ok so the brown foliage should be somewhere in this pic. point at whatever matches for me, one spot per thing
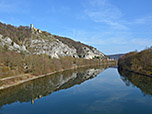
(13, 63)
(17, 34)
(137, 61)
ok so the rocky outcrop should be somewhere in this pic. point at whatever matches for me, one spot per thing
(49, 46)
(24, 40)
(9, 44)
(53, 48)
(83, 51)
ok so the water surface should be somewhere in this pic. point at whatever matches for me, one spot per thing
(84, 91)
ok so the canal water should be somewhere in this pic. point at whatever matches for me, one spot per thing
(98, 90)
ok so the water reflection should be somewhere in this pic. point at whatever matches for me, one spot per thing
(142, 82)
(36, 89)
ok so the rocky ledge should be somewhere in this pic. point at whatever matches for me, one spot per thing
(23, 39)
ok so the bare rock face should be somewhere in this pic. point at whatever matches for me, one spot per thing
(88, 53)
(8, 43)
(51, 46)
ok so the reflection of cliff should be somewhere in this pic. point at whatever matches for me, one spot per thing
(144, 83)
(81, 77)
(45, 86)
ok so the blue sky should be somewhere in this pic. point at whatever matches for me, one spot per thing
(112, 26)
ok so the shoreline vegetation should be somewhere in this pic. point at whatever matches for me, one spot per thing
(23, 78)
(17, 68)
(140, 81)
(137, 62)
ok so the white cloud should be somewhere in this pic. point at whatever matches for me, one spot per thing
(107, 38)
(96, 37)
(101, 11)
(144, 20)
(104, 10)
(122, 41)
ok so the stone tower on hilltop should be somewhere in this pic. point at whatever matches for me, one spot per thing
(35, 29)
(31, 26)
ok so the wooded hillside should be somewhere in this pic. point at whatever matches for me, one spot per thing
(140, 62)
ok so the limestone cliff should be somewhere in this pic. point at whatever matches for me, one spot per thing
(44, 43)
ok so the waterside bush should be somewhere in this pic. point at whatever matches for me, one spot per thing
(140, 62)
(12, 63)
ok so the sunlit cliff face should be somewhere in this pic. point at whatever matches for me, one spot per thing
(40, 44)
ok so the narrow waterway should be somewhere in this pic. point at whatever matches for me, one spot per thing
(97, 90)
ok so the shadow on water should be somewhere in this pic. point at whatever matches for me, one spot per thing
(144, 83)
(38, 88)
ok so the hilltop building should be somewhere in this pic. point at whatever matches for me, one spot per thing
(35, 29)
(31, 26)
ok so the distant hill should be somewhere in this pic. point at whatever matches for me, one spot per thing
(139, 62)
(116, 56)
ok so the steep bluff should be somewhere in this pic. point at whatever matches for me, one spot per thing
(23, 40)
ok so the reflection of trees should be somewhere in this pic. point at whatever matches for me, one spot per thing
(38, 88)
(1, 109)
(144, 83)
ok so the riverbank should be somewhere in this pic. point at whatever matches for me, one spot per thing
(16, 80)
(137, 73)
(137, 62)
